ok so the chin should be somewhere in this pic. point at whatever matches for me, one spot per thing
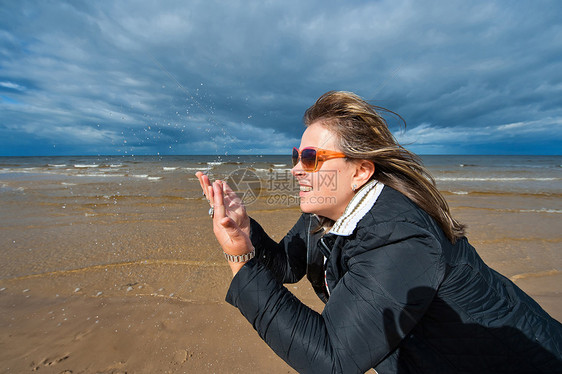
(305, 208)
(308, 208)
(312, 209)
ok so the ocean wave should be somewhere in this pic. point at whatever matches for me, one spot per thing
(169, 168)
(7, 187)
(542, 210)
(85, 166)
(99, 175)
(20, 170)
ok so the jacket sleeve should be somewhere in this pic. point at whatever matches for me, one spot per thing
(381, 297)
(286, 259)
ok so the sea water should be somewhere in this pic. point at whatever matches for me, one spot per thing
(463, 174)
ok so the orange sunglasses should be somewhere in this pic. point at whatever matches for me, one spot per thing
(311, 158)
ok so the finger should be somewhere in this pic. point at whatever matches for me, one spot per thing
(231, 227)
(232, 197)
(218, 201)
(210, 195)
(228, 191)
(204, 183)
(228, 225)
(199, 176)
(205, 186)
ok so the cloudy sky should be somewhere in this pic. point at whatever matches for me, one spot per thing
(209, 77)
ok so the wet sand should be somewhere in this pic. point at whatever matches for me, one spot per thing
(115, 284)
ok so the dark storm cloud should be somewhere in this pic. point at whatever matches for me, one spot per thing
(192, 77)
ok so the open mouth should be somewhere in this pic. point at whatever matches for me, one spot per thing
(305, 188)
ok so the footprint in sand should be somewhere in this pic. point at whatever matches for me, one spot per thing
(50, 362)
(181, 356)
(82, 334)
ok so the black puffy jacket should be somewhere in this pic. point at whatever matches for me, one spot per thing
(402, 299)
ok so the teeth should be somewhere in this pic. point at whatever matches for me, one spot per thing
(306, 188)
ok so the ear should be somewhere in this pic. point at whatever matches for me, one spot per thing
(364, 170)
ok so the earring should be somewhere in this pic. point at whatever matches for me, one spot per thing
(354, 187)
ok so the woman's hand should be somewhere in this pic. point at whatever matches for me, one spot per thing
(234, 206)
(231, 224)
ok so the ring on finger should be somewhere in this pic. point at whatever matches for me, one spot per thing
(212, 211)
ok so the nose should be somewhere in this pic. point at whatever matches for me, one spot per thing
(297, 171)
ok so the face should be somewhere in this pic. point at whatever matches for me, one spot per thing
(327, 191)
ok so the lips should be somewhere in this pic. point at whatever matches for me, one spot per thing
(305, 188)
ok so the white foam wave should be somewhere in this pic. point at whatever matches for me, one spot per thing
(154, 178)
(24, 170)
(84, 166)
(99, 175)
(8, 187)
(543, 210)
(169, 168)
(56, 165)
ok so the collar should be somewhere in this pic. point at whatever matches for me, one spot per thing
(359, 205)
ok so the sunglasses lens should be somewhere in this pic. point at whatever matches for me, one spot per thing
(295, 157)
(308, 159)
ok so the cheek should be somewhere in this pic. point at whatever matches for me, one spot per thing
(344, 182)
(336, 185)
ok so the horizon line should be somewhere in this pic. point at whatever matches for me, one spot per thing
(270, 154)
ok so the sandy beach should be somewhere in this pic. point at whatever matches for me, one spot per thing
(93, 282)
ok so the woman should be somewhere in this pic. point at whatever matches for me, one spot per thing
(404, 290)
